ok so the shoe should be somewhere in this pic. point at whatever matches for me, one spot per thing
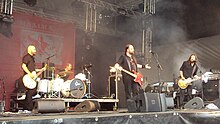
(36, 96)
(22, 97)
(27, 112)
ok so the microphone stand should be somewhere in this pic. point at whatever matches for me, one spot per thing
(159, 67)
(48, 65)
(49, 93)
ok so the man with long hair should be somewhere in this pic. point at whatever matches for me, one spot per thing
(188, 70)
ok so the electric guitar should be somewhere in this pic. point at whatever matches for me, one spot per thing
(137, 76)
(31, 82)
(184, 83)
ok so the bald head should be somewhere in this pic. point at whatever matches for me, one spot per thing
(32, 50)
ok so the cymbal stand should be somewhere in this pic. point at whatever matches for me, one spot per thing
(159, 67)
(49, 92)
(88, 81)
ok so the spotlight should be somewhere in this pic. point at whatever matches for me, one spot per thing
(31, 2)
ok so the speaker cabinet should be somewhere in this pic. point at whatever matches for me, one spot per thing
(87, 106)
(211, 90)
(49, 73)
(147, 102)
(121, 91)
(49, 105)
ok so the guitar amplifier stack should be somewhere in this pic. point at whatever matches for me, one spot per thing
(48, 74)
(211, 90)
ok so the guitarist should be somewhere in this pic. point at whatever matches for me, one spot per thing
(28, 66)
(129, 62)
(188, 70)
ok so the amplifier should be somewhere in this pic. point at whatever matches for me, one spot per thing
(211, 90)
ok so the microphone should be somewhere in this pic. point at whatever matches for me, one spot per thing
(51, 56)
(87, 66)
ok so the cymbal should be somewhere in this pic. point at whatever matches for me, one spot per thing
(51, 68)
(65, 73)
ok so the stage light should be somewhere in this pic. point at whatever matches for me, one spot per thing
(31, 2)
(122, 11)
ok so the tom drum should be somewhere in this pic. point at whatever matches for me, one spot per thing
(43, 86)
(57, 84)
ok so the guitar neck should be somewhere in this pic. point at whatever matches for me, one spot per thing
(39, 73)
(128, 72)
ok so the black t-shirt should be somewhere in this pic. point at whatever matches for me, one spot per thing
(188, 69)
(29, 61)
(127, 63)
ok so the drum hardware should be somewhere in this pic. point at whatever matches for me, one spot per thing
(64, 73)
(74, 88)
(88, 81)
(50, 68)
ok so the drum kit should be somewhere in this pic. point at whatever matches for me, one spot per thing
(58, 88)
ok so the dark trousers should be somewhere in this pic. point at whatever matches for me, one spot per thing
(29, 103)
(131, 88)
(185, 95)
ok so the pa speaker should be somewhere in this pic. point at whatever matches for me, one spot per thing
(87, 106)
(49, 105)
(146, 102)
(195, 103)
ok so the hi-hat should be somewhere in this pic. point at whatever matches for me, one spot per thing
(51, 68)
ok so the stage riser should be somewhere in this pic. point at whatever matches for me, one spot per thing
(117, 118)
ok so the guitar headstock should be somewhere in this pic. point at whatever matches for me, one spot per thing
(118, 67)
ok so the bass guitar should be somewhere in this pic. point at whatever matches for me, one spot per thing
(31, 82)
(137, 76)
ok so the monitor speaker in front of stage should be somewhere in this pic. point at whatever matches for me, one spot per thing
(49, 105)
(195, 103)
(87, 106)
(147, 102)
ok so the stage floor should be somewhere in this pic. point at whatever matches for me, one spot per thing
(121, 116)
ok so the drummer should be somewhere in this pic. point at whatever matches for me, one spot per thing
(66, 72)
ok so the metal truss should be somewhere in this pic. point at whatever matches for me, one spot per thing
(114, 8)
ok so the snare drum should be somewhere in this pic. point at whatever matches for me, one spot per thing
(75, 88)
(57, 84)
(43, 86)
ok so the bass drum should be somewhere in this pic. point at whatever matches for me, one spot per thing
(75, 88)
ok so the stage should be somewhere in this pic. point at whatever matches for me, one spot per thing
(184, 116)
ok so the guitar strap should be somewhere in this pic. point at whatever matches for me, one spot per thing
(129, 64)
(194, 69)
